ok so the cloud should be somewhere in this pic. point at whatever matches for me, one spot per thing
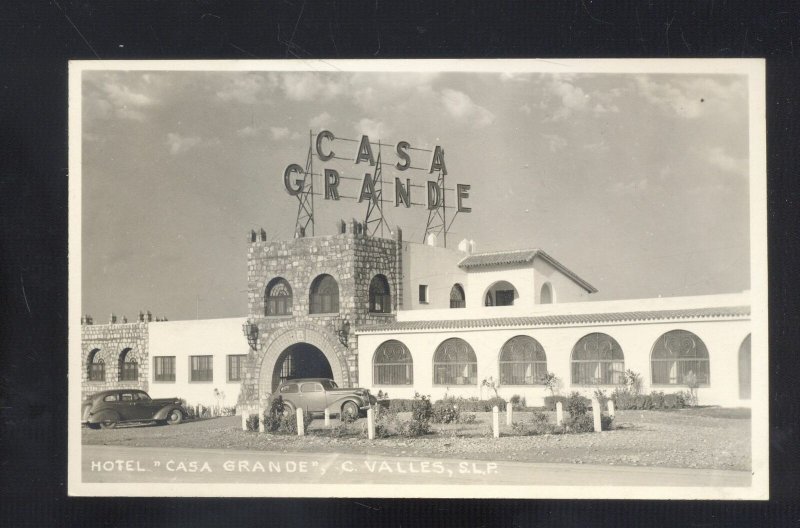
(246, 89)
(109, 97)
(279, 133)
(598, 147)
(459, 105)
(691, 97)
(373, 128)
(526, 109)
(249, 131)
(179, 144)
(722, 160)
(320, 121)
(555, 142)
(310, 86)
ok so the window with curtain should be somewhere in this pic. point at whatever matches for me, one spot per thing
(128, 367)
(522, 362)
(677, 353)
(455, 363)
(380, 298)
(324, 295)
(279, 297)
(457, 297)
(392, 364)
(597, 359)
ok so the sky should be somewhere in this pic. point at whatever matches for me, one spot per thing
(636, 182)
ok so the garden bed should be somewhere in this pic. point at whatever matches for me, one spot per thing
(710, 438)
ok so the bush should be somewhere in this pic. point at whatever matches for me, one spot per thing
(518, 402)
(340, 431)
(252, 422)
(467, 419)
(400, 405)
(579, 424)
(421, 409)
(657, 399)
(601, 397)
(550, 402)
(496, 401)
(413, 428)
(577, 405)
(606, 422)
(445, 411)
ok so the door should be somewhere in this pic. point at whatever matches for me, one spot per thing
(313, 396)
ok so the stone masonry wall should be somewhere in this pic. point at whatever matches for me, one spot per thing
(352, 258)
(110, 340)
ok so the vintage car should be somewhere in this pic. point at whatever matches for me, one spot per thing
(108, 408)
(314, 395)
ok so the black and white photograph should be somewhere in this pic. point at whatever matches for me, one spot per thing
(418, 278)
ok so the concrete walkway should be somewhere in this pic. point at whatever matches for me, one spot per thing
(148, 464)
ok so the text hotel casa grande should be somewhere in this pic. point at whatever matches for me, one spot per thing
(389, 314)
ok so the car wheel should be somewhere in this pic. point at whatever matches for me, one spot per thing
(288, 409)
(108, 423)
(350, 411)
(175, 417)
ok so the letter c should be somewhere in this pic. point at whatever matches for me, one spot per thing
(325, 134)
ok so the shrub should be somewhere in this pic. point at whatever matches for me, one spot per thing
(466, 419)
(421, 409)
(499, 402)
(579, 424)
(671, 401)
(601, 397)
(577, 405)
(340, 431)
(400, 405)
(445, 411)
(413, 428)
(657, 399)
(227, 411)
(552, 383)
(550, 402)
(252, 422)
(518, 402)
(632, 381)
(606, 422)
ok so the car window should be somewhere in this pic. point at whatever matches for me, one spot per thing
(329, 384)
(310, 387)
(127, 396)
(289, 388)
(110, 398)
(142, 396)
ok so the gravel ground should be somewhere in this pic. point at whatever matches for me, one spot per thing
(689, 438)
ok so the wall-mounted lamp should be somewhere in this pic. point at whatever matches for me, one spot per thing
(344, 333)
(250, 331)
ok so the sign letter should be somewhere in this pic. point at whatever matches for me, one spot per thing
(462, 191)
(367, 189)
(402, 147)
(434, 195)
(437, 162)
(325, 134)
(365, 151)
(402, 194)
(287, 176)
(331, 184)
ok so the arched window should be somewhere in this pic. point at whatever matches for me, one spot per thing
(380, 297)
(522, 362)
(279, 297)
(501, 293)
(392, 364)
(128, 367)
(324, 295)
(744, 369)
(676, 354)
(546, 296)
(454, 363)
(597, 359)
(96, 368)
(457, 298)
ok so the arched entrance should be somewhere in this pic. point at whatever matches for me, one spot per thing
(301, 360)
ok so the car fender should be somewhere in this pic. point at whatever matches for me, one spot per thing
(337, 404)
(105, 414)
(164, 412)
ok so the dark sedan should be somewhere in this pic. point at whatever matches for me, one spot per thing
(108, 408)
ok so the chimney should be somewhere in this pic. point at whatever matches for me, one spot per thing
(300, 233)
(252, 235)
(263, 235)
(112, 319)
(149, 317)
(342, 227)
(430, 239)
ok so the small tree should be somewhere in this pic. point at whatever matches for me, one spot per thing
(632, 381)
(690, 379)
(492, 384)
(552, 383)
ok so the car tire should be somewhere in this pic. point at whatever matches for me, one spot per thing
(289, 409)
(175, 417)
(108, 424)
(349, 410)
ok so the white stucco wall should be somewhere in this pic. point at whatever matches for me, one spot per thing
(437, 268)
(721, 337)
(182, 339)
(565, 290)
(480, 279)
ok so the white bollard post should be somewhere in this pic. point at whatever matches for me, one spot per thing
(300, 429)
(327, 418)
(610, 408)
(559, 413)
(596, 414)
(262, 427)
(245, 414)
(495, 422)
(509, 413)
(370, 424)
